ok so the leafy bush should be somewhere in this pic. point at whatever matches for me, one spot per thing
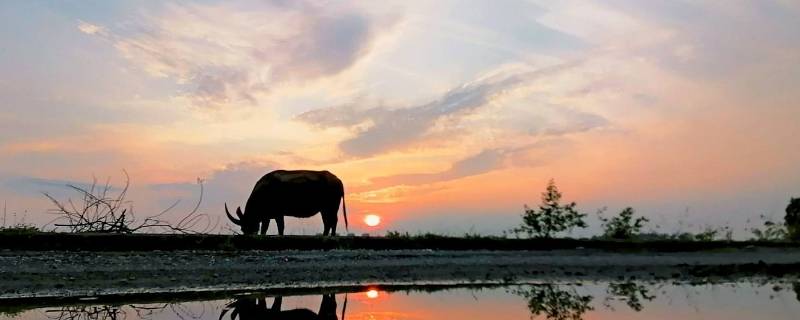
(773, 231)
(17, 226)
(792, 219)
(556, 303)
(630, 292)
(12, 311)
(709, 233)
(419, 236)
(391, 234)
(19, 229)
(551, 217)
(473, 235)
(660, 236)
(623, 226)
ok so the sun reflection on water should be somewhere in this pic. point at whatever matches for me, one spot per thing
(553, 301)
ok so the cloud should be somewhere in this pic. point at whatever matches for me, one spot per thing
(485, 161)
(698, 39)
(396, 128)
(390, 195)
(89, 28)
(230, 53)
(482, 162)
(574, 121)
(231, 184)
(28, 185)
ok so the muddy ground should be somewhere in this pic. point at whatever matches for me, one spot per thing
(63, 273)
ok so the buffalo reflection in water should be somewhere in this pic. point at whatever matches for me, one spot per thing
(247, 308)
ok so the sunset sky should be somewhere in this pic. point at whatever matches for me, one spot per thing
(443, 116)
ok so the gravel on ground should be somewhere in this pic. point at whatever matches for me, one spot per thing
(61, 273)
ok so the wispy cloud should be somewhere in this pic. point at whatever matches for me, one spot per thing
(392, 129)
(483, 162)
(231, 184)
(228, 54)
(33, 185)
(89, 28)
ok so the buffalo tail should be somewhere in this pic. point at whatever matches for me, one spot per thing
(344, 211)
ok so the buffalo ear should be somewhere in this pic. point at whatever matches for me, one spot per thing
(228, 213)
(239, 212)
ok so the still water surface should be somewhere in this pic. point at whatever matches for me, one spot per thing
(595, 300)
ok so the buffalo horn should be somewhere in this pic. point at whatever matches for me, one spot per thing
(234, 220)
(224, 311)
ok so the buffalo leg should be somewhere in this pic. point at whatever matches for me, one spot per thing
(326, 223)
(327, 308)
(333, 225)
(264, 226)
(329, 219)
(333, 215)
(261, 305)
(276, 304)
(325, 226)
(279, 222)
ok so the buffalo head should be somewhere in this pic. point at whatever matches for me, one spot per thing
(249, 226)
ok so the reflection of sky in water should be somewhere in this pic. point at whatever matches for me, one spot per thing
(598, 300)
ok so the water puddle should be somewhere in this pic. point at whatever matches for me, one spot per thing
(593, 300)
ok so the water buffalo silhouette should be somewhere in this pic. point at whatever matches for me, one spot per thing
(256, 308)
(295, 193)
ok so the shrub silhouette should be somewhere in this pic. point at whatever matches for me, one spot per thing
(792, 219)
(796, 289)
(629, 292)
(551, 216)
(773, 231)
(556, 303)
(623, 226)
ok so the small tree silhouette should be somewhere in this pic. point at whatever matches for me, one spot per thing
(551, 217)
(773, 231)
(556, 303)
(792, 219)
(629, 292)
(796, 289)
(623, 226)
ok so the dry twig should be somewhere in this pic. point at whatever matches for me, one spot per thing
(100, 211)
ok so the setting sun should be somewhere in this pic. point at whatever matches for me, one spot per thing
(372, 220)
(372, 294)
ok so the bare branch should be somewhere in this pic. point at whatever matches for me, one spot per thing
(103, 212)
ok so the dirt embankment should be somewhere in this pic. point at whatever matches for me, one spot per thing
(69, 273)
(51, 241)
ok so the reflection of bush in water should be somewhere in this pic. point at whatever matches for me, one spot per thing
(113, 312)
(86, 312)
(556, 303)
(630, 292)
(11, 311)
(796, 288)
